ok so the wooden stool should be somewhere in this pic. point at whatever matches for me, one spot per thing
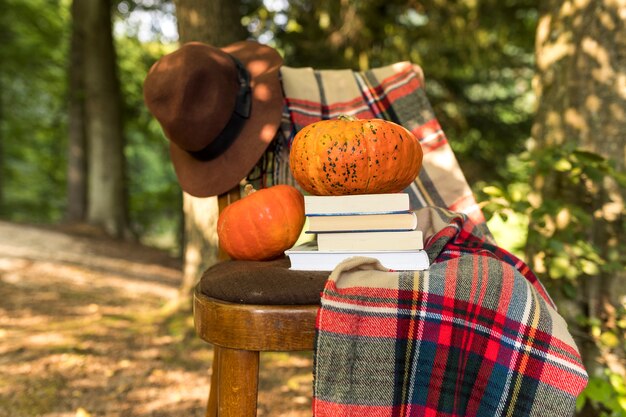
(238, 333)
(244, 308)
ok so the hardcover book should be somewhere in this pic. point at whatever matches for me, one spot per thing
(307, 257)
(355, 241)
(317, 205)
(362, 222)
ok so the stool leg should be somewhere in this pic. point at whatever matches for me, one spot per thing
(211, 409)
(238, 383)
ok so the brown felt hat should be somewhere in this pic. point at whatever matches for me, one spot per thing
(219, 107)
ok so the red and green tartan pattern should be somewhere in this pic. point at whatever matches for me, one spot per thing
(475, 335)
(395, 93)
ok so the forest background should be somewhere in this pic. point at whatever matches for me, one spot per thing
(531, 94)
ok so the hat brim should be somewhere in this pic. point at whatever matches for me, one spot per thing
(219, 175)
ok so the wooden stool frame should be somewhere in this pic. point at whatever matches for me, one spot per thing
(238, 333)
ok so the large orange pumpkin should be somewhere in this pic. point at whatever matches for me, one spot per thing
(263, 224)
(354, 156)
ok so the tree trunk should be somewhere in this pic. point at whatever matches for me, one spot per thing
(581, 94)
(107, 202)
(217, 23)
(5, 40)
(76, 159)
(2, 203)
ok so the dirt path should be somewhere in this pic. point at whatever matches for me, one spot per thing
(83, 333)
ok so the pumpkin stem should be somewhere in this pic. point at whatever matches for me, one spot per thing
(347, 118)
(248, 189)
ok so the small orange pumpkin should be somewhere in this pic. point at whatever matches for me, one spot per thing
(354, 156)
(263, 224)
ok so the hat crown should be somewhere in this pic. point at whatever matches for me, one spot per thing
(219, 108)
(192, 93)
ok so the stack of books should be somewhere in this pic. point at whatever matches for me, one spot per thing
(380, 226)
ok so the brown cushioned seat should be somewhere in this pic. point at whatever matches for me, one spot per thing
(271, 282)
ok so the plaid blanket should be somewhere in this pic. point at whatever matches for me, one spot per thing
(475, 335)
(394, 93)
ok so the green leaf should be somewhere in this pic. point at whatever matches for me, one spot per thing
(559, 266)
(563, 165)
(589, 268)
(617, 381)
(588, 157)
(609, 339)
(622, 403)
(493, 191)
(595, 174)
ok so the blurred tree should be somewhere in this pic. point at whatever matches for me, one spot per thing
(2, 203)
(143, 33)
(155, 201)
(4, 39)
(76, 210)
(36, 92)
(107, 199)
(576, 235)
(217, 23)
(32, 125)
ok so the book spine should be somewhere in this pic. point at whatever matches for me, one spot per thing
(357, 231)
(356, 204)
(405, 221)
(356, 213)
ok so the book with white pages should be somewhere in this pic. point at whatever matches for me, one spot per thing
(321, 205)
(359, 241)
(307, 257)
(362, 222)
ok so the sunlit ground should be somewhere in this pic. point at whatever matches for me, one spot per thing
(83, 333)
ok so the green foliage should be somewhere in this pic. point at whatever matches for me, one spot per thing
(477, 57)
(561, 223)
(154, 195)
(33, 123)
(32, 108)
(561, 226)
(607, 394)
